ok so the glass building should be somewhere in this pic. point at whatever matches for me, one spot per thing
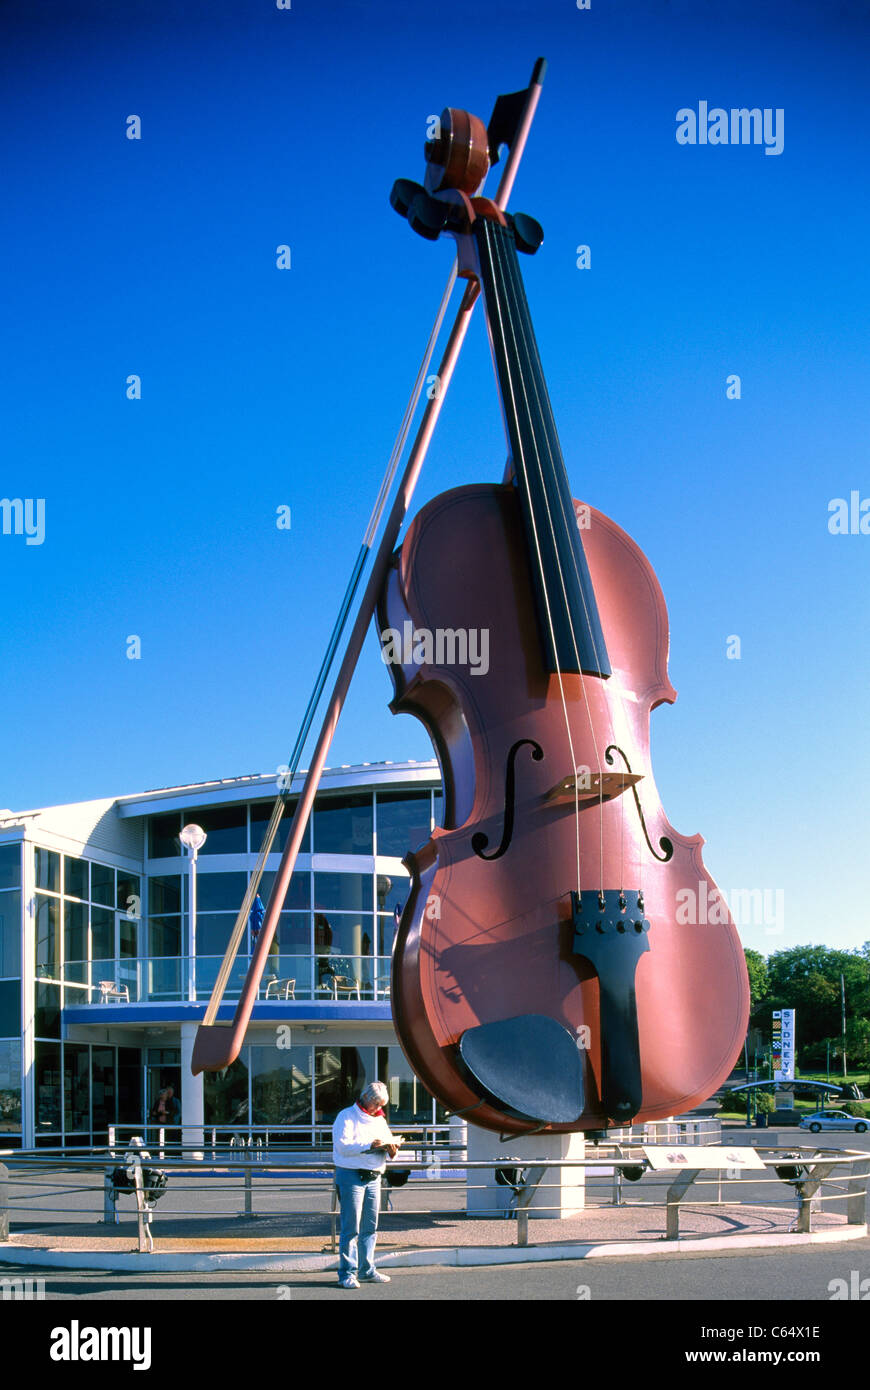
(104, 977)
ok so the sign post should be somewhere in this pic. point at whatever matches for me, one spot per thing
(783, 1044)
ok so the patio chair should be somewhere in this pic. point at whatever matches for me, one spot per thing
(281, 989)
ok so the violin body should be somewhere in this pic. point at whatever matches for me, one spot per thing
(484, 939)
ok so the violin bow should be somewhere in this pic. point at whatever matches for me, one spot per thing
(218, 1044)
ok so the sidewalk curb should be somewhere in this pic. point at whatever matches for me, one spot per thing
(178, 1261)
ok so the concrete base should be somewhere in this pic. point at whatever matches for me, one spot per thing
(561, 1192)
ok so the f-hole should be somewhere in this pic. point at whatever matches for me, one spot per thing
(479, 841)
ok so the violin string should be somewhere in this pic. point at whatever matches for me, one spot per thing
(541, 389)
(506, 328)
(535, 376)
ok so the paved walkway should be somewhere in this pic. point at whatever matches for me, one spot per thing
(301, 1242)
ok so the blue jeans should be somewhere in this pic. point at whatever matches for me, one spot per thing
(360, 1209)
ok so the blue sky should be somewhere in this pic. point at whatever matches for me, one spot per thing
(263, 387)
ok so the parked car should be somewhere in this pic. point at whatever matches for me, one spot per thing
(833, 1119)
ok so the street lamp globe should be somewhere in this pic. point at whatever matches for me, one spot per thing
(193, 837)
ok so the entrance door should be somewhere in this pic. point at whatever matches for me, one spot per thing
(162, 1069)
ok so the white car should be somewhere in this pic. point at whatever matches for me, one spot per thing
(833, 1119)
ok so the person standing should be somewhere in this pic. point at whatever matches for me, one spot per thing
(361, 1143)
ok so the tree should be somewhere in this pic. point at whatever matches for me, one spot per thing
(807, 978)
(759, 978)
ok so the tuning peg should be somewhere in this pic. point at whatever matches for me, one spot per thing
(428, 216)
(528, 234)
(403, 194)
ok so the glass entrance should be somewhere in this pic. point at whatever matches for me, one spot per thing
(163, 1092)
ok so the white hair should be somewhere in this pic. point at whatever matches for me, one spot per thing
(375, 1091)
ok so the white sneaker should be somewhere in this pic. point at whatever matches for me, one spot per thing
(375, 1278)
(349, 1281)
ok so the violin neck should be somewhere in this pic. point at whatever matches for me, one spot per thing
(567, 611)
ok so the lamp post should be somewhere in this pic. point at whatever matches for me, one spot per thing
(193, 837)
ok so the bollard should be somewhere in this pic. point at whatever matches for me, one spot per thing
(4, 1200)
(110, 1211)
(249, 1190)
(522, 1226)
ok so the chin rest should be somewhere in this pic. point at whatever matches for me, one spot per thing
(529, 1065)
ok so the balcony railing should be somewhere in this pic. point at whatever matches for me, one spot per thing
(164, 979)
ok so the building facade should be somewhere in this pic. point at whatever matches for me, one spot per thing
(105, 973)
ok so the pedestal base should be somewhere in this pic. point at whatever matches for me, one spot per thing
(561, 1192)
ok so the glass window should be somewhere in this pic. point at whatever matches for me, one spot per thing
(213, 931)
(393, 890)
(340, 1075)
(47, 1012)
(103, 885)
(294, 933)
(225, 1094)
(163, 832)
(225, 826)
(76, 1086)
(410, 1102)
(438, 807)
(298, 894)
(128, 936)
(75, 877)
(281, 1085)
(10, 1086)
(102, 934)
(48, 870)
(47, 937)
(220, 892)
(344, 824)
(344, 936)
(261, 814)
(343, 892)
(10, 1008)
(103, 1090)
(387, 928)
(129, 1086)
(10, 934)
(48, 1087)
(75, 934)
(164, 936)
(129, 894)
(10, 865)
(403, 822)
(164, 895)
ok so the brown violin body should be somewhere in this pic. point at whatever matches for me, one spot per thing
(550, 970)
(483, 940)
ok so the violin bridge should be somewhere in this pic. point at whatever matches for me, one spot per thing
(592, 786)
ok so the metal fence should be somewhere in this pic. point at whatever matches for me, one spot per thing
(30, 1181)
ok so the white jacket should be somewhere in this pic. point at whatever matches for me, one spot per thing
(353, 1133)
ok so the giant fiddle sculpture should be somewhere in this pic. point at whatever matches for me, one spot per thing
(541, 978)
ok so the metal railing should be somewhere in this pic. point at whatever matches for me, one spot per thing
(233, 1140)
(167, 979)
(805, 1178)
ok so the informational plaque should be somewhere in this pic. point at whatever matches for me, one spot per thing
(662, 1157)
